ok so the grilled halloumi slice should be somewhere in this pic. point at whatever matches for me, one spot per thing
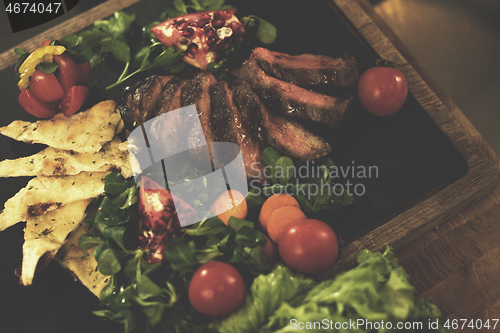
(84, 132)
(44, 194)
(45, 234)
(58, 162)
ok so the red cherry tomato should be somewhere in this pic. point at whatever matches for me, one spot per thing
(46, 42)
(46, 87)
(308, 246)
(216, 289)
(83, 73)
(34, 106)
(382, 90)
(67, 71)
(74, 99)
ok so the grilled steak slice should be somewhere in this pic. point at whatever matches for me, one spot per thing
(228, 126)
(281, 132)
(197, 91)
(164, 133)
(293, 100)
(307, 69)
(140, 102)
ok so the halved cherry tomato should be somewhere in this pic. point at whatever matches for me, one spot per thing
(74, 99)
(36, 107)
(67, 71)
(46, 87)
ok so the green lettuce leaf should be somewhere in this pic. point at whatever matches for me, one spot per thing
(267, 293)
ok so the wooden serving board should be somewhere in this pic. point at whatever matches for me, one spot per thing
(429, 166)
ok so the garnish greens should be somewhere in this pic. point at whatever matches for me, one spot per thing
(142, 296)
(285, 180)
(153, 297)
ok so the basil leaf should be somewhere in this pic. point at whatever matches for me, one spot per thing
(47, 67)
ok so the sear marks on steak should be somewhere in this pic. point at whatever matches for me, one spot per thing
(281, 132)
(197, 91)
(164, 132)
(293, 100)
(307, 69)
(228, 126)
(140, 102)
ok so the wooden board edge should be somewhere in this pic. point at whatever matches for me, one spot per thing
(68, 27)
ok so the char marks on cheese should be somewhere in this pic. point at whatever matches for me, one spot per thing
(84, 132)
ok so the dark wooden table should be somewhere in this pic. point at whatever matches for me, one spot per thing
(457, 262)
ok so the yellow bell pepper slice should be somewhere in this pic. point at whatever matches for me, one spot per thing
(41, 54)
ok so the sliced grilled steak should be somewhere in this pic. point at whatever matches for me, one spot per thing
(293, 100)
(281, 132)
(164, 134)
(307, 69)
(228, 126)
(140, 102)
(197, 91)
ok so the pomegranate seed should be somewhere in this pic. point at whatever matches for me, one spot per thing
(191, 50)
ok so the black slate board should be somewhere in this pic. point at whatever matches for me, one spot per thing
(413, 157)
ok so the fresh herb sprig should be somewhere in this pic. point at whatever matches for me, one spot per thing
(111, 37)
(284, 179)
